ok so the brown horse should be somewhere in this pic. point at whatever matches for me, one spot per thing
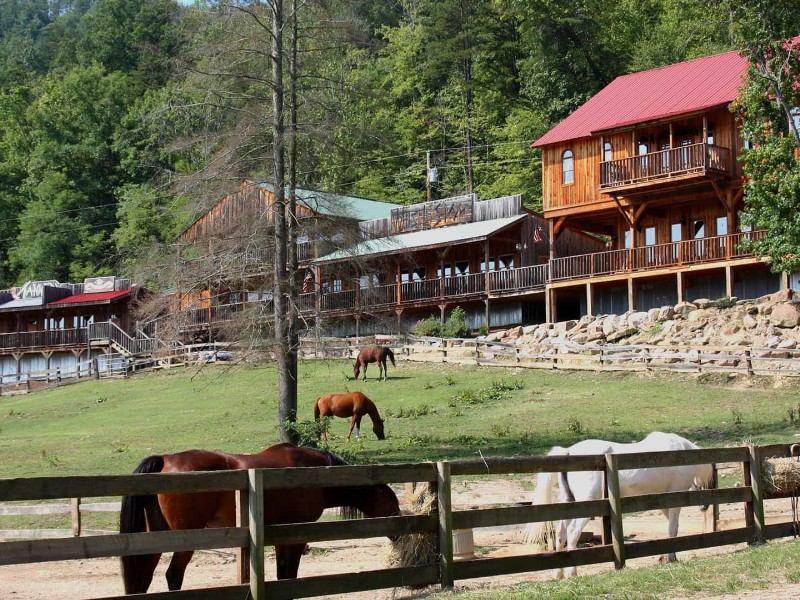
(371, 354)
(218, 509)
(352, 404)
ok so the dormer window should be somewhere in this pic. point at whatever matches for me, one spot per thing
(567, 168)
(608, 151)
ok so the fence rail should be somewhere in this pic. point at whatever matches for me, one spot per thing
(442, 520)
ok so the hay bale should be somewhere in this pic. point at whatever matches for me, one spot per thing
(416, 549)
(781, 476)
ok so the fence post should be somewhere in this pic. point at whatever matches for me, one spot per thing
(443, 501)
(242, 554)
(757, 486)
(748, 361)
(255, 496)
(615, 510)
(75, 512)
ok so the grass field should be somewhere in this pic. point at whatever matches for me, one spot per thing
(432, 412)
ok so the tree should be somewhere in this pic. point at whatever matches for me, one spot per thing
(766, 34)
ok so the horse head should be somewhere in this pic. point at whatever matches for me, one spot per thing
(356, 370)
(705, 479)
(377, 427)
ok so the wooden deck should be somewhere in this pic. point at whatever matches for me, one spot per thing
(683, 162)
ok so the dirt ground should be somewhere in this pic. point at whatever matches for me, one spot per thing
(95, 578)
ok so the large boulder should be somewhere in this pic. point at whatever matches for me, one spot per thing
(785, 315)
(636, 319)
(684, 308)
(621, 334)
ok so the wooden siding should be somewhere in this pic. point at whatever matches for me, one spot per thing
(585, 190)
(248, 201)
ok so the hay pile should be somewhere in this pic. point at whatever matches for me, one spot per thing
(781, 476)
(416, 549)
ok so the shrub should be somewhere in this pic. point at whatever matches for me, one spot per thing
(428, 327)
(456, 325)
(483, 330)
(307, 433)
(726, 302)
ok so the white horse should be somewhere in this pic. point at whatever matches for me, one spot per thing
(588, 485)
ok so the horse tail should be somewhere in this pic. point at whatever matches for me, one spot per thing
(706, 478)
(316, 410)
(540, 534)
(390, 354)
(137, 571)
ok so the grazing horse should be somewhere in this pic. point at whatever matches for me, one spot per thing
(174, 511)
(371, 354)
(352, 404)
(588, 485)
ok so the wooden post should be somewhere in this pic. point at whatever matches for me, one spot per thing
(255, 478)
(605, 534)
(615, 510)
(748, 362)
(75, 512)
(242, 554)
(444, 506)
(758, 494)
(748, 506)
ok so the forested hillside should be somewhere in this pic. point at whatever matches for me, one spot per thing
(122, 118)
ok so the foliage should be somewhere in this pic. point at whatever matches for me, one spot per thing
(429, 327)
(765, 33)
(726, 302)
(456, 325)
(308, 433)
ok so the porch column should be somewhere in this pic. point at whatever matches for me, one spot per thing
(589, 302)
(487, 282)
(784, 280)
(358, 326)
(631, 298)
(728, 281)
(679, 275)
(397, 279)
(551, 227)
(549, 305)
(442, 308)
(488, 313)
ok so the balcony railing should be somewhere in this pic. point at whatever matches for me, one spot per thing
(673, 254)
(664, 164)
(53, 338)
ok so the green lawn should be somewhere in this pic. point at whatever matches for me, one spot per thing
(432, 412)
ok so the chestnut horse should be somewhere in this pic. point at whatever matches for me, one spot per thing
(164, 512)
(371, 354)
(352, 404)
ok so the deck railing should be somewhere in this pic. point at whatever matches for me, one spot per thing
(693, 158)
(673, 254)
(53, 338)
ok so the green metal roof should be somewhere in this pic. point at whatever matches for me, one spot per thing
(418, 240)
(335, 205)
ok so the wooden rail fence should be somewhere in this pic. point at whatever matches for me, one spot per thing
(251, 535)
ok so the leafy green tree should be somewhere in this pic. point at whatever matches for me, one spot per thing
(766, 33)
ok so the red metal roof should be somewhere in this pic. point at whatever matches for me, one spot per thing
(660, 93)
(95, 298)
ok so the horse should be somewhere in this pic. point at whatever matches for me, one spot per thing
(352, 404)
(371, 354)
(175, 511)
(588, 485)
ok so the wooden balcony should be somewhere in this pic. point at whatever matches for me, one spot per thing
(671, 255)
(35, 340)
(676, 164)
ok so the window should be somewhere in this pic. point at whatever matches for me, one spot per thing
(53, 323)
(367, 281)
(675, 236)
(642, 149)
(448, 271)
(462, 268)
(664, 157)
(710, 137)
(649, 236)
(567, 168)
(506, 262)
(795, 112)
(79, 321)
(491, 264)
(722, 225)
(699, 229)
(627, 238)
(608, 151)
(417, 274)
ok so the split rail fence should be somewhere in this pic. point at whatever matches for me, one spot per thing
(251, 535)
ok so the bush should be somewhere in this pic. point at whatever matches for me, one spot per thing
(457, 326)
(428, 327)
(483, 330)
(307, 433)
(726, 302)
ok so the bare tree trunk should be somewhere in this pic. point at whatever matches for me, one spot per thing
(287, 401)
(293, 339)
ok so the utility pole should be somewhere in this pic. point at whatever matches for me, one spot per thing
(428, 173)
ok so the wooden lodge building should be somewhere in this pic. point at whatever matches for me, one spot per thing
(48, 326)
(651, 163)
(642, 187)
